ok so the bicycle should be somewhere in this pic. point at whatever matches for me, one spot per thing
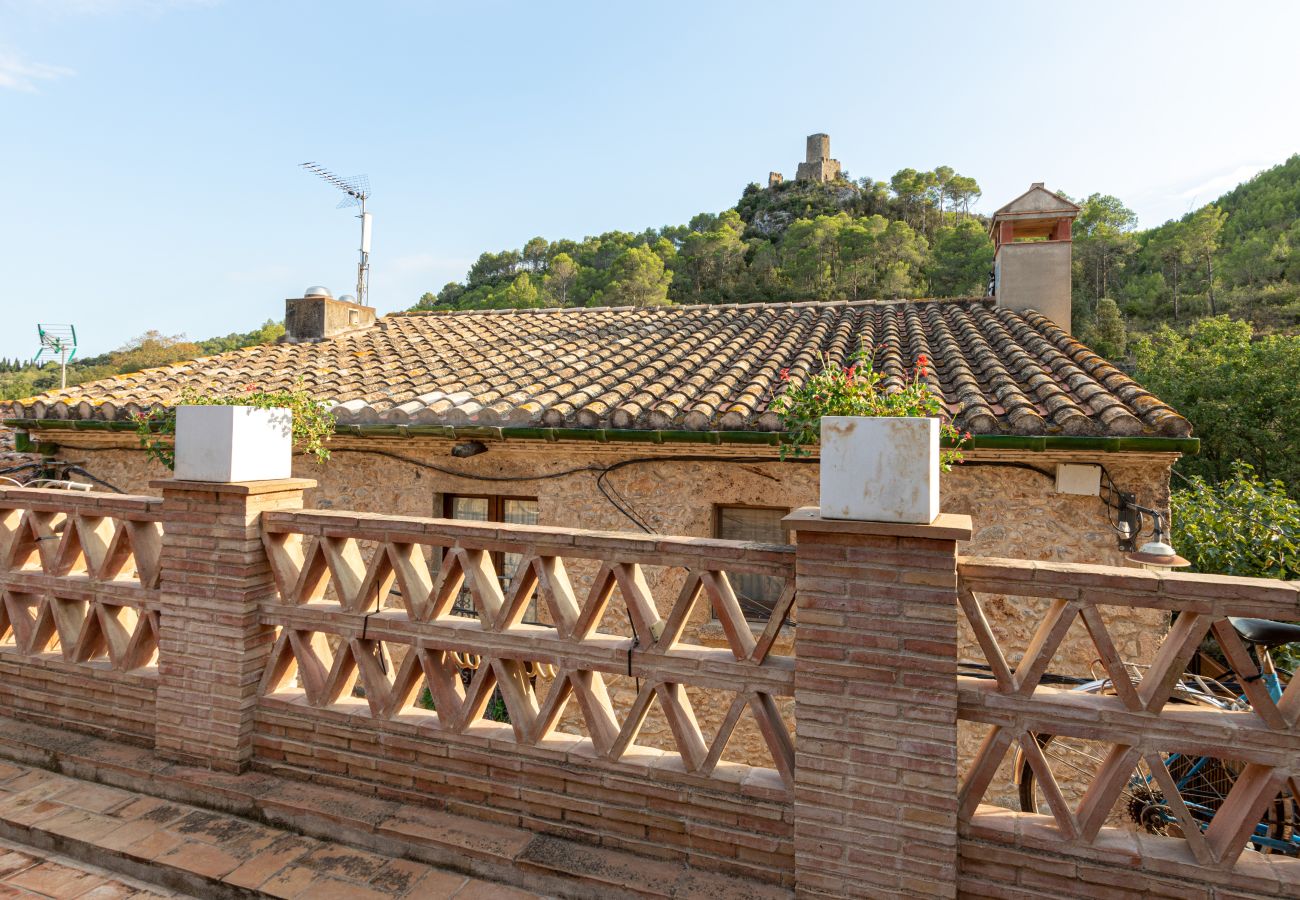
(1202, 782)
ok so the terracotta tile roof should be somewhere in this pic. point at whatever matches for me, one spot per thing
(676, 367)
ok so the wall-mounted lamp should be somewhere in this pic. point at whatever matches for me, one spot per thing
(1156, 554)
(468, 449)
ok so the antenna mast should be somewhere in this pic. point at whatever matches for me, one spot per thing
(357, 189)
(61, 341)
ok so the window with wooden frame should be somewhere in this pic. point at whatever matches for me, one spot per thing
(757, 594)
(493, 508)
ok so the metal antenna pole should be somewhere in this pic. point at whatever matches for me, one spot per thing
(61, 340)
(357, 189)
(363, 267)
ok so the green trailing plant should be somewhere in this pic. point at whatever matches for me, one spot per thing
(857, 390)
(312, 422)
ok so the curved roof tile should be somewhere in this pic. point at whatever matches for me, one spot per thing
(674, 367)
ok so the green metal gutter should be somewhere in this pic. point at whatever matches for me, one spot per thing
(1033, 443)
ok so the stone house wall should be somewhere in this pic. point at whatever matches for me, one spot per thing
(1016, 513)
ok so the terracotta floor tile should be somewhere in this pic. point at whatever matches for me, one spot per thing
(436, 884)
(288, 882)
(490, 890)
(200, 858)
(154, 845)
(38, 778)
(344, 862)
(398, 876)
(126, 834)
(150, 809)
(28, 810)
(113, 890)
(56, 880)
(95, 797)
(236, 836)
(479, 839)
(7, 773)
(15, 861)
(327, 888)
(283, 852)
(78, 824)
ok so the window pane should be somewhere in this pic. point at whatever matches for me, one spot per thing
(475, 509)
(740, 523)
(519, 512)
(757, 593)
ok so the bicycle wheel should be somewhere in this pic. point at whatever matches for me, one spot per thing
(1074, 763)
(1203, 782)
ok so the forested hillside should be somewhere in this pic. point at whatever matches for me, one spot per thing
(912, 236)
(1239, 255)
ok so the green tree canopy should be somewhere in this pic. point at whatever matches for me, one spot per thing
(1242, 394)
(638, 279)
(1240, 526)
(960, 262)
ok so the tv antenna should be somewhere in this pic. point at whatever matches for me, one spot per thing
(61, 341)
(357, 189)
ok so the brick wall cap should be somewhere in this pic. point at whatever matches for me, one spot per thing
(81, 501)
(946, 526)
(247, 488)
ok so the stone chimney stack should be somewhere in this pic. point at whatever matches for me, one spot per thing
(316, 316)
(1031, 257)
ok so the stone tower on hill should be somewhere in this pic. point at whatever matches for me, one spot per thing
(819, 166)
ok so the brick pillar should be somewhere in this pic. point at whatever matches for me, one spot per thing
(875, 794)
(211, 646)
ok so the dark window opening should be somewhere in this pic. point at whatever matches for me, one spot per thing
(757, 594)
(492, 508)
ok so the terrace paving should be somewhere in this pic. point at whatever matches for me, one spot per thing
(178, 850)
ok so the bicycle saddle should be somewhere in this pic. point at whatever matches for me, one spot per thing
(1265, 632)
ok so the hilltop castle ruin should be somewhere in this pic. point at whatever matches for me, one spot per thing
(817, 166)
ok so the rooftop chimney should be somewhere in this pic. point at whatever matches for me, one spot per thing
(316, 316)
(1031, 257)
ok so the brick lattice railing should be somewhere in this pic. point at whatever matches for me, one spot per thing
(365, 607)
(79, 608)
(1135, 723)
(228, 628)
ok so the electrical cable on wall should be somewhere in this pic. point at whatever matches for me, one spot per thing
(619, 501)
(607, 489)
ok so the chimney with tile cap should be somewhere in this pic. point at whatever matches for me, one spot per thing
(316, 316)
(1031, 257)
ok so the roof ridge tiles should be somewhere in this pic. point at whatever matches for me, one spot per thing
(398, 315)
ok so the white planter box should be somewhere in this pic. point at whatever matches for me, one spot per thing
(233, 443)
(880, 469)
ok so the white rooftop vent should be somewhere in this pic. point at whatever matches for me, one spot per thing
(347, 298)
(317, 290)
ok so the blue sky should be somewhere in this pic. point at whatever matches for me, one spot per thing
(150, 146)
